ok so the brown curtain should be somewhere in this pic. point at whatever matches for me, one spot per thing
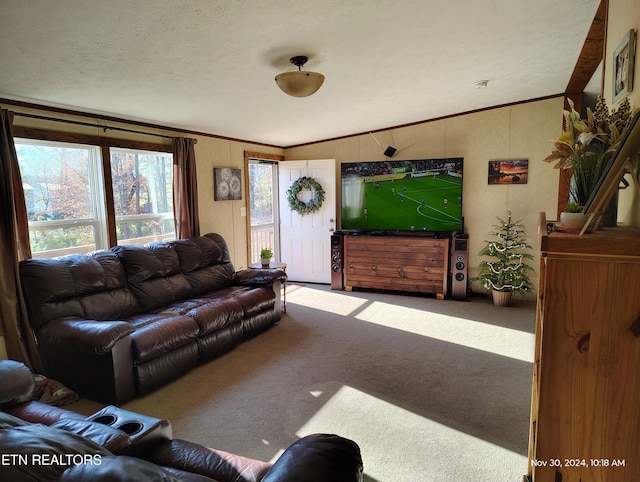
(185, 188)
(14, 246)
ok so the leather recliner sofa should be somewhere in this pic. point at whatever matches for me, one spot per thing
(39, 442)
(118, 323)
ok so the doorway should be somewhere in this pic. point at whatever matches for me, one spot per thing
(264, 218)
(306, 239)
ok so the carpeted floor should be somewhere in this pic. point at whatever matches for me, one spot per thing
(431, 390)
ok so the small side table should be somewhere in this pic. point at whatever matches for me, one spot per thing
(283, 268)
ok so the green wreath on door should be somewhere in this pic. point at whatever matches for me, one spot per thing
(317, 195)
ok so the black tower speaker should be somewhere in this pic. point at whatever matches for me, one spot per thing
(459, 262)
(337, 261)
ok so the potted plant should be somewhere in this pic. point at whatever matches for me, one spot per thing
(265, 256)
(506, 271)
(573, 216)
(584, 149)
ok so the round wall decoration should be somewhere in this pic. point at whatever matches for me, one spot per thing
(317, 195)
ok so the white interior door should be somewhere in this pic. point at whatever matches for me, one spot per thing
(305, 241)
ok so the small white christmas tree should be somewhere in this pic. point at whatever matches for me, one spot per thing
(507, 268)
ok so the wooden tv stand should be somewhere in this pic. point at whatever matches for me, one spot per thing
(398, 263)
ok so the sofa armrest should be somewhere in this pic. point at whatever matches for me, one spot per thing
(37, 412)
(252, 277)
(85, 336)
(318, 458)
(215, 464)
(112, 439)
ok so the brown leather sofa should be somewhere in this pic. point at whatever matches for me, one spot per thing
(119, 323)
(39, 442)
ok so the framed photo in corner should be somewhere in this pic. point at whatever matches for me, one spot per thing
(623, 63)
(227, 184)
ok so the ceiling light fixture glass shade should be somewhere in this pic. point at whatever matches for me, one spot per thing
(300, 83)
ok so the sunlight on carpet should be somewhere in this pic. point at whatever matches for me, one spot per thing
(481, 336)
(340, 303)
(443, 452)
(471, 333)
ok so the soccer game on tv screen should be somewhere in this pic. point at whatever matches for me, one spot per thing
(417, 195)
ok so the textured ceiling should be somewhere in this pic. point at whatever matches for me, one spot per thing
(209, 66)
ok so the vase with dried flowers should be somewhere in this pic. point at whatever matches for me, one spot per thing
(585, 147)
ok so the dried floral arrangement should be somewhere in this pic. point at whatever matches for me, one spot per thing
(586, 145)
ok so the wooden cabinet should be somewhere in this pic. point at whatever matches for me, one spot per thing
(585, 415)
(400, 263)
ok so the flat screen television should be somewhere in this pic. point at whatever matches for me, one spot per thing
(421, 196)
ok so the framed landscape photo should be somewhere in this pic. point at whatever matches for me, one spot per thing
(623, 63)
(227, 184)
(508, 171)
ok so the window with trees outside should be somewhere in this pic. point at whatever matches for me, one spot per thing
(263, 208)
(142, 195)
(66, 196)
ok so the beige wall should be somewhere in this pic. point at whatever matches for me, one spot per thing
(224, 217)
(624, 15)
(523, 131)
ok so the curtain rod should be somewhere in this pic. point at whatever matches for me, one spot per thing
(87, 124)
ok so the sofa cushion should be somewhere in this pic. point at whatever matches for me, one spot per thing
(153, 274)
(52, 392)
(212, 312)
(225, 256)
(17, 383)
(209, 279)
(197, 253)
(318, 458)
(158, 334)
(215, 314)
(255, 300)
(162, 369)
(202, 262)
(86, 286)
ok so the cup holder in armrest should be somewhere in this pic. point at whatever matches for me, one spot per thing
(143, 430)
(130, 428)
(105, 419)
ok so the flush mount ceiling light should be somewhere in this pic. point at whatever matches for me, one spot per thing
(299, 83)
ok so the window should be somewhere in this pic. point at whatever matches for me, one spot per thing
(263, 208)
(142, 195)
(66, 197)
(63, 189)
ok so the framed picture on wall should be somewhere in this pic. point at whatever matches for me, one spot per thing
(227, 184)
(508, 171)
(623, 63)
